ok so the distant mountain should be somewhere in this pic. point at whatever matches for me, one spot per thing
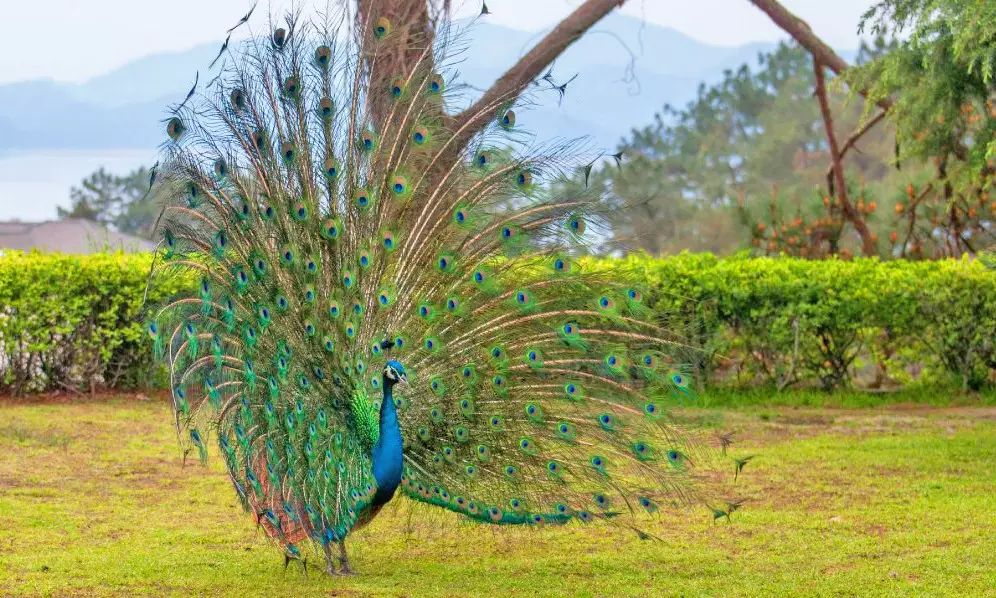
(45, 114)
(154, 77)
(627, 70)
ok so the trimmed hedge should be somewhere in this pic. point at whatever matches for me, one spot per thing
(75, 322)
(832, 323)
(71, 322)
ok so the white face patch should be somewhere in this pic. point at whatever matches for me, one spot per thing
(391, 373)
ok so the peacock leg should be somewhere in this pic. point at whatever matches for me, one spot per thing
(343, 559)
(329, 559)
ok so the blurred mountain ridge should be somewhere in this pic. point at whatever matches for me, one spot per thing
(627, 70)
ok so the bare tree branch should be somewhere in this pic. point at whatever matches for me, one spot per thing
(516, 78)
(855, 136)
(911, 215)
(838, 185)
(803, 34)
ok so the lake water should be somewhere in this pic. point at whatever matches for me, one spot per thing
(33, 183)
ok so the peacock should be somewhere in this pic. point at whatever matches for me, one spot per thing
(386, 301)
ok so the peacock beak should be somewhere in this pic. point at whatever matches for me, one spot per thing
(403, 379)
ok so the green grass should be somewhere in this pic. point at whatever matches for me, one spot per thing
(936, 396)
(885, 501)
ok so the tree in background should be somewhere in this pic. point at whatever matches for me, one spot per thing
(933, 84)
(911, 179)
(420, 21)
(119, 202)
(740, 163)
(940, 77)
(839, 215)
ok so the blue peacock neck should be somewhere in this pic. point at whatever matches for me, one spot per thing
(386, 455)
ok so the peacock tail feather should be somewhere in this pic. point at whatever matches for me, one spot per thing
(327, 207)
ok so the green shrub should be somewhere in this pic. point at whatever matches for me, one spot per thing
(957, 311)
(791, 322)
(71, 322)
(76, 322)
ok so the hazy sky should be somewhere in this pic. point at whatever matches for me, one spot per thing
(73, 40)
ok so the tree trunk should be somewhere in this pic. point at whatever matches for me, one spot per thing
(410, 20)
(415, 20)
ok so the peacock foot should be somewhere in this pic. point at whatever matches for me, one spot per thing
(343, 571)
(346, 571)
(330, 568)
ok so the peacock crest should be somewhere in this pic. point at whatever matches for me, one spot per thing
(325, 203)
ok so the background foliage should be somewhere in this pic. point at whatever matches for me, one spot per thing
(939, 78)
(120, 202)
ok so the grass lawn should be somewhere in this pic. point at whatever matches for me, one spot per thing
(876, 501)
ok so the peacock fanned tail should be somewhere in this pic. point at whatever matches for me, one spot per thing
(327, 206)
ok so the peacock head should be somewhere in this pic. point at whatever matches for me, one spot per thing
(394, 372)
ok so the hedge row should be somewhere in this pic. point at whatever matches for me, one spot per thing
(792, 322)
(75, 322)
(70, 322)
